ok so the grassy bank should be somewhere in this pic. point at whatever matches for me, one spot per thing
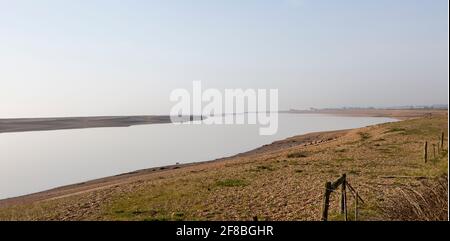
(385, 163)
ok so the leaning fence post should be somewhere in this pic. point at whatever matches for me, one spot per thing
(326, 201)
(426, 152)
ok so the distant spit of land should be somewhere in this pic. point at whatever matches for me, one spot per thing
(60, 123)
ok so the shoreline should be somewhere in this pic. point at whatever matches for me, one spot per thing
(309, 139)
(12, 125)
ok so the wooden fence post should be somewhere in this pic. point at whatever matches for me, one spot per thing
(434, 150)
(344, 196)
(345, 199)
(342, 199)
(426, 152)
(356, 206)
(326, 201)
(442, 141)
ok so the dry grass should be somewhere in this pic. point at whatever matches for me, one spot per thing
(426, 201)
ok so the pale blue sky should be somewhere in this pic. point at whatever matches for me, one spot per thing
(111, 57)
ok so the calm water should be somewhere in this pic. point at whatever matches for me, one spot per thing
(36, 161)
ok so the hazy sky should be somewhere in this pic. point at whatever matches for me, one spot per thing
(111, 57)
